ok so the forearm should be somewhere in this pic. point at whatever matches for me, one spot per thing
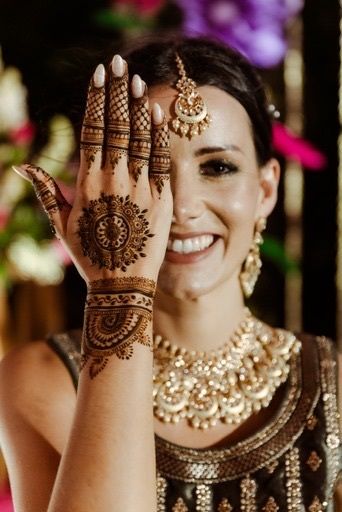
(109, 462)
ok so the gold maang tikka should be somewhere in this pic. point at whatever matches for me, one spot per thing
(191, 112)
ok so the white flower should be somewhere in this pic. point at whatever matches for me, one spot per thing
(13, 106)
(29, 260)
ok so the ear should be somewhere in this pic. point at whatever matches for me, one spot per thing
(269, 180)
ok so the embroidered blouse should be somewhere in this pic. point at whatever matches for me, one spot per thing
(291, 464)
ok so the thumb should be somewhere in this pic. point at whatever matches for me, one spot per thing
(49, 195)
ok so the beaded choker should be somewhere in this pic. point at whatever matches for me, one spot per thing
(227, 384)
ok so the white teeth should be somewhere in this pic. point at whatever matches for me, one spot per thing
(198, 243)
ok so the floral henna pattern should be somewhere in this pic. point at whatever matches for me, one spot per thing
(160, 157)
(93, 123)
(140, 141)
(113, 232)
(118, 313)
(118, 127)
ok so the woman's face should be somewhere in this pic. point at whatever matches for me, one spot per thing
(219, 193)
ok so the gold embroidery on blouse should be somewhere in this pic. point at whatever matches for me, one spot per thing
(293, 485)
(316, 506)
(203, 498)
(311, 422)
(161, 493)
(225, 506)
(212, 466)
(314, 461)
(180, 506)
(329, 397)
(271, 505)
(272, 466)
(248, 495)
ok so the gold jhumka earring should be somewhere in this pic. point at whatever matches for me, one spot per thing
(192, 116)
(251, 267)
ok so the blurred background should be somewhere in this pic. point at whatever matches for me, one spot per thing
(50, 50)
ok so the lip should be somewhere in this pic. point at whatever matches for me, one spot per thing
(193, 257)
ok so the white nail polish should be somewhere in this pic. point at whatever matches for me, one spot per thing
(21, 171)
(137, 86)
(157, 114)
(99, 76)
(118, 65)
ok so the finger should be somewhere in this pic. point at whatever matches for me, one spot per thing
(49, 195)
(118, 124)
(92, 133)
(160, 162)
(140, 139)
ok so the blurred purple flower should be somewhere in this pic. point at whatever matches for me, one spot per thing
(254, 27)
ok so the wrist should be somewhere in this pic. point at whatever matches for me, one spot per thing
(118, 313)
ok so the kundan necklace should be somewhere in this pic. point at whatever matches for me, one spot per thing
(227, 384)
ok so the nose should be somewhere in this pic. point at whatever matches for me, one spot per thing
(188, 203)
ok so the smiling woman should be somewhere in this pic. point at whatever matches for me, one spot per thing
(185, 401)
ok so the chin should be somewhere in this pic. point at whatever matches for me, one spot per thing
(184, 286)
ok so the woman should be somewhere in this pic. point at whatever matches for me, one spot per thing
(167, 220)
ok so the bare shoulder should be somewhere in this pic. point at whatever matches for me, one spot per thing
(35, 388)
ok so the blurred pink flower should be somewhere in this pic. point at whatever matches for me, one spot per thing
(6, 504)
(4, 217)
(142, 6)
(290, 145)
(24, 134)
(62, 255)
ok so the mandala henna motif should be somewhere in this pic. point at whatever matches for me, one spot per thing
(118, 126)
(160, 156)
(118, 313)
(93, 123)
(113, 232)
(140, 141)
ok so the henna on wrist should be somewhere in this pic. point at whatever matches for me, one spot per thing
(118, 314)
(113, 232)
(93, 123)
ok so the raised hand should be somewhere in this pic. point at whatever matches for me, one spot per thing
(117, 229)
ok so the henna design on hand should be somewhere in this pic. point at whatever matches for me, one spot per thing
(140, 141)
(160, 157)
(118, 313)
(113, 232)
(118, 127)
(47, 192)
(93, 123)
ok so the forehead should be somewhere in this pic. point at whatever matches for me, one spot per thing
(230, 122)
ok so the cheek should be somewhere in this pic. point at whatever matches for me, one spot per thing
(237, 202)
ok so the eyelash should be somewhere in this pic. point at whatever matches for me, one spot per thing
(218, 168)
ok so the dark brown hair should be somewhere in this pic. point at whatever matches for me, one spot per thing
(208, 62)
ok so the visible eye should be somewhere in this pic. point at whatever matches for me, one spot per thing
(218, 168)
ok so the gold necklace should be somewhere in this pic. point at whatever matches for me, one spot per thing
(227, 384)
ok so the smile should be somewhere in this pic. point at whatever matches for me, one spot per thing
(190, 245)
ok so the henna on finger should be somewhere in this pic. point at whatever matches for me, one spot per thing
(47, 192)
(118, 125)
(93, 124)
(140, 140)
(118, 314)
(160, 163)
(113, 232)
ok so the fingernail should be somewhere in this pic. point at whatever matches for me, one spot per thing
(137, 86)
(99, 76)
(22, 172)
(157, 114)
(118, 65)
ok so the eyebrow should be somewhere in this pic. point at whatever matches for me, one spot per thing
(217, 149)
